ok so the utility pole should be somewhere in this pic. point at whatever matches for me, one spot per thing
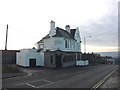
(6, 37)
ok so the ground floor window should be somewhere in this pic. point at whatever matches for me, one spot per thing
(65, 43)
(51, 59)
(69, 58)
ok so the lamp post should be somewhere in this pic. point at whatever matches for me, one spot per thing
(85, 43)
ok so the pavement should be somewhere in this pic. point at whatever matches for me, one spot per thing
(72, 77)
(25, 72)
(11, 75)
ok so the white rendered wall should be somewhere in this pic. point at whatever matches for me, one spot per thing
(73, 46)
(55, 43)
(77, 35)
(78, 47)
(58, 43)
(20, 59)
(49, 44)
(26, 54)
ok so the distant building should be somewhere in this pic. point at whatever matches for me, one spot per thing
(108, 59)
(60, 48)
(92, 58)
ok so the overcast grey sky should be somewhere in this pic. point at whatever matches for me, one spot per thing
(29, 21)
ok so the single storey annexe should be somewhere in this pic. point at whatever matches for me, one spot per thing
(30, 58)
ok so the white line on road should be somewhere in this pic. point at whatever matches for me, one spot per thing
(47, 81)
(102, 81)
(31, 85)
(29, 82)
(49, 84)
(29, 74)
(20, 84)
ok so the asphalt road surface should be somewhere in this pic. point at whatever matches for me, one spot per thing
(72, 77)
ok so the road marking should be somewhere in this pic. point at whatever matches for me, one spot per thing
(49, 84)
(31, 85)
(29, 74)
(102, 81)
(20, 84)
(46, 81)
(28, 82)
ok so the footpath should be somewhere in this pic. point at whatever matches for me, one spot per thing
(10, 75)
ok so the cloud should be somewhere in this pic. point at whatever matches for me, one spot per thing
(30, 19)
(104, 31)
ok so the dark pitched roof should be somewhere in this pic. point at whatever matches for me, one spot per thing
(72, 31)
(63, 33)
(47, 36)
(39, 50)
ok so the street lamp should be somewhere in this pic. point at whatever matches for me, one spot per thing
(85, 43)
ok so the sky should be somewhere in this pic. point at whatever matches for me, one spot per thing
(29, 21)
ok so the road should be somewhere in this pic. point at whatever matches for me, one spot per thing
(111, 82)
(73, 77)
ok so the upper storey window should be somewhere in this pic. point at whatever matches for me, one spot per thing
(65, 43)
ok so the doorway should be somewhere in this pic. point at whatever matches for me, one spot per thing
(32, 62)
(58, 61)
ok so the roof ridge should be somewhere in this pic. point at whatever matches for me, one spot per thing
(61, 34)
(66, 32)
